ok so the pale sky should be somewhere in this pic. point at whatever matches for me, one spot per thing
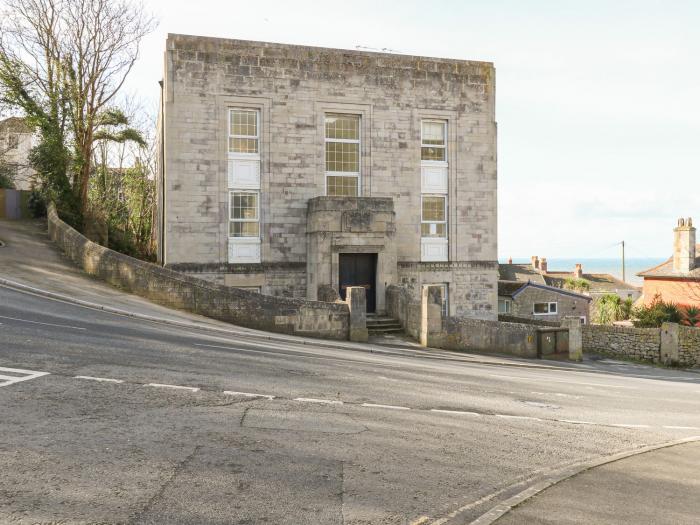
(597, 102)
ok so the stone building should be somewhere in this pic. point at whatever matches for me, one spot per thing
(541, 302)
(16, 140)
(298, 171)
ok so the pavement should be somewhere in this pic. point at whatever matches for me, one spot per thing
(106, 418)
(661, 486)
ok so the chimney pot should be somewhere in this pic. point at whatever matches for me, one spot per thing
(543, 265)
(510, 260)
(578, 271)
(535, 262)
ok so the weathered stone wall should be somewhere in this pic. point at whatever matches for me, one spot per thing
(478, 335)
(177, 290)
(293, 87)
(634, 343)
(688, 346)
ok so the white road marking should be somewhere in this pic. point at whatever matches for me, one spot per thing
(390, 407)
(456, 412)
(507, 416)
(45, 324)
(681, 428)
(577, 422)
(178, 387)
(247, 394)
(314, 400)
(558, 394)
(625, 425)
(103, 379)
(19, 375)
(569, 382)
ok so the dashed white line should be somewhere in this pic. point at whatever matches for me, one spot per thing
(102, 379)
(508, 416)
(576, 422)
(626, 425)
(455, 412)
(177, 387)
(681, 428)
(390, 407)
(321, 401)
(247, 394)
(45, 324)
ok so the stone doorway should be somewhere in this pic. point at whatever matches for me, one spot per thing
(359, 269)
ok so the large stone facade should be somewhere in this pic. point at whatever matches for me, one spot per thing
(293, 89)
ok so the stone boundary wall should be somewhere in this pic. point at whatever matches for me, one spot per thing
(688, 346)
(477, 335)
(176, 290)
(463, 333)
(635, 343)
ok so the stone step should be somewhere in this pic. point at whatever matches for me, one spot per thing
(381, 322)
(384, 331)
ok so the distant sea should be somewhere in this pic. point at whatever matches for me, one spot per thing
(611, 266)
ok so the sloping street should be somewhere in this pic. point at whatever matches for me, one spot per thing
(112, 419)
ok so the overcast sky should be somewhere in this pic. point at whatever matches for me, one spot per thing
(598, 102)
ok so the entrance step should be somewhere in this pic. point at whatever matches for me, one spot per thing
(377, 325)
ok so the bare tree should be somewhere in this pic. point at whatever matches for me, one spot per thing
(66, 60)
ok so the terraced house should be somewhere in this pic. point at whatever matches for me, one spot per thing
(299, 171)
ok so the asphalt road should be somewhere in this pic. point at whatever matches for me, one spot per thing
(350, 435)
(272, 429)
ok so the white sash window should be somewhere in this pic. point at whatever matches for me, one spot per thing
(434, 187)
(244, 185)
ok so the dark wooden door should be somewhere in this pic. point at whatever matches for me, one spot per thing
(359, 269)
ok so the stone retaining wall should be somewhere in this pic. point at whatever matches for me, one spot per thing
(688, 346)
(462, 333)
(176, 290)
(634, 343)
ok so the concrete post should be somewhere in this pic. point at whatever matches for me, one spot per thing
(575, 337)
(430, 314)
(669, 352)
(356, 298)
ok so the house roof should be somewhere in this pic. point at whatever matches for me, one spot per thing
(15, 124)
(598, 282)
(514, 288)
(665, 269)
(519, 272)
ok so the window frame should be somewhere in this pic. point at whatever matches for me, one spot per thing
(444, 198)
(357, 175)
(231, 135)
(549, 308)
(509, 306)
(444, 123)
(232, 220)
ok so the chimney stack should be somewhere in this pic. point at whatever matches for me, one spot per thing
(684, 246)
(543, 265)
(510, 260)
(578, 271)
(535, 262)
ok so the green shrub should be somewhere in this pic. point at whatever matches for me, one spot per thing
(577, 285)
(656, 313)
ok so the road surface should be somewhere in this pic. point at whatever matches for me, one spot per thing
(110, 419)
